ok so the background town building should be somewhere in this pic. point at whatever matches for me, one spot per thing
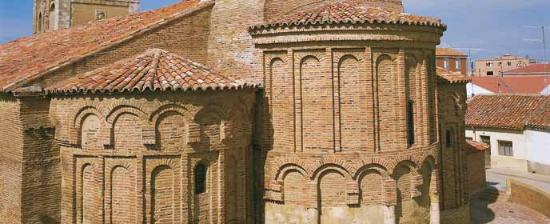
(59, 14)
(452, 60)
(531, 85)
(517, 128)
(496, 66)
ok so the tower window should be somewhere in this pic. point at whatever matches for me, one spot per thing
(200, 178)
(39, 23)
(449, 138)
(100, 14)
(410, 122)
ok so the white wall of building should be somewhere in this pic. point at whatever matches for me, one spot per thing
(538, 150)
(474, 90)
(518, 161)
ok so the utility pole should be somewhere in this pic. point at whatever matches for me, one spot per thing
(547, 89)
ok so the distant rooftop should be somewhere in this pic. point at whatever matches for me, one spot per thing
(515, 112)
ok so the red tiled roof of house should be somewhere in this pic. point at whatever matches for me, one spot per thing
(512, 84)
(28, 58)
(449, 52)
(348, 12)
(508, 111)
(534, 69)
(154, 70)
(451, 77)
(476, 146)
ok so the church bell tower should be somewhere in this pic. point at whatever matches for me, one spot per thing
(59, 14)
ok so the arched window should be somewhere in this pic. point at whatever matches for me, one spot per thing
(200, 178)
(39, 23)
(449, 141)
(410, 122)
(52, 17)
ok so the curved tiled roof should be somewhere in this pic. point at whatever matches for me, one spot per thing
(348, 12)
(474, 146)
(154, 70)
(514, 112)
(28, 58)
(449, 52)
(451, 77)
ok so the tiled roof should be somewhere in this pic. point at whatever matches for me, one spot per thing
(449, 52)
(348, 12)
(476, 146)
(451, 77)
(512, 84)
(508, 112)
(154, 70)
(28, 58)
(534, 69)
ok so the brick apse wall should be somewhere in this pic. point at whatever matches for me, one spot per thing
(133, 158)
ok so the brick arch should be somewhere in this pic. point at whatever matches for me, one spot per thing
(209, 109)
(371, 167)
(283, 170)
(83, 113)
(412, 166)
(124, 109)
(157, 114)
(330, 167)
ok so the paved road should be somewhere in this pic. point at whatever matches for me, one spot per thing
(503, 212)
(498, 177)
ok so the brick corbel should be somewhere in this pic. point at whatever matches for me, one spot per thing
(390, 194)
(275, 192)
(107, 138)
(352, 193)
(194, 133)
(149, 136)
(418, 181)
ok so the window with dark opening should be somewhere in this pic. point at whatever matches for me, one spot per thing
(200, 179)
(449, 138)
(490, 73)
(505, 148)
(410, 122)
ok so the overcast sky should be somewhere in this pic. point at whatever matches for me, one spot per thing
(488, 27)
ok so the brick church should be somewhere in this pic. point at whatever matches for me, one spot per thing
(231, 111)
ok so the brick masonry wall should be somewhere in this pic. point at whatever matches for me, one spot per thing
(475, 172)
(41, 163)
(128, 152)
(335, 159)
(11, 160)
(452, 106)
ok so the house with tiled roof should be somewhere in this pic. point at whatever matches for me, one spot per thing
(517, 128)
(511, 84)
(452, 60)
(241, 111)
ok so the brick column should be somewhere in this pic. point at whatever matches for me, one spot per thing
(390, 194)
(434, 199)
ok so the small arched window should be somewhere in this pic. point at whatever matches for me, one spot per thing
(39, 23)
(200, 178)
(410, 123)
(449, 138)
(52, 18)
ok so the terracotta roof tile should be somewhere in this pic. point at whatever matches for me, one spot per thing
(28, 58)
(348, 12)
(449, 52)
(154, 70)
(512, 84)
(534, 69)
(476, 146)
(508, 111)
